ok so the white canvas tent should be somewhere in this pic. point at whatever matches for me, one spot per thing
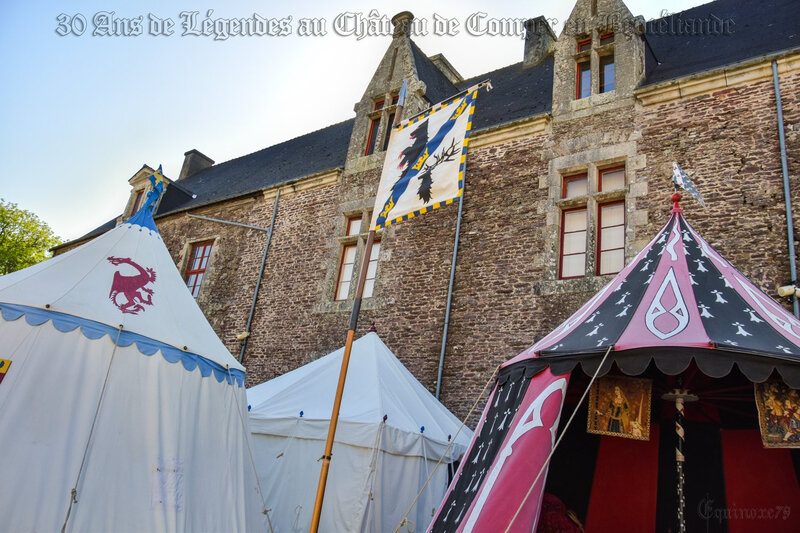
(120, 409)
(378, 465)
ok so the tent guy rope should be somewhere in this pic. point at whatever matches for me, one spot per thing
(73, 498)
(563, 432)
(449, 445)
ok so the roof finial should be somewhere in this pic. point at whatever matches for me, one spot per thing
(372, 328)
(676, 198)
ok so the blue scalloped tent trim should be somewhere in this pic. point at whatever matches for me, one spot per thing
(144, 218)
(95, 330)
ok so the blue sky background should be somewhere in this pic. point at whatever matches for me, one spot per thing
(81, 114)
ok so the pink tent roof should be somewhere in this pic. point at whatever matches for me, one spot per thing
(676, 301)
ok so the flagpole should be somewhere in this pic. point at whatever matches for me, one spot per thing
(351, 331)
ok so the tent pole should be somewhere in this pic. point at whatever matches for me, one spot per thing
(337, 401)
(348, 346)
(680, 396)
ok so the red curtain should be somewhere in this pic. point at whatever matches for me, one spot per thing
(760, 486)
(625, 485)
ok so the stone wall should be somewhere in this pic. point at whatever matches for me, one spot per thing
(729, 140)
(506, 293)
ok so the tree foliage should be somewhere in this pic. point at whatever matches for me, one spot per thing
(24, 239)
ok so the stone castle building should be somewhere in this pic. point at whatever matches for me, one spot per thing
(568, 177)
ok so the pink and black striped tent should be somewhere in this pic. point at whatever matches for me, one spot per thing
(677, 302)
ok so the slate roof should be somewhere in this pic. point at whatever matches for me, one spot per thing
(756, 28)
(111, 224)
(438, 87)
(302, 156)
(518, 92)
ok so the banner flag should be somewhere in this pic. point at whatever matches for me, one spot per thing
(681, 179)
(431, 153)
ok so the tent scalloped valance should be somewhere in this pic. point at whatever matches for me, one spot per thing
(95, 330)
(672, 361)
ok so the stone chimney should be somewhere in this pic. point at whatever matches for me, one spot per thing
(539, 41)
(402, 23)
(194, 162)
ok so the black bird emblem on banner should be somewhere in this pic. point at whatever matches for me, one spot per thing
(413, 153)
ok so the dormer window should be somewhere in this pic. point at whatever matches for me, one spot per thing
(137, 203)
(607, 73)
(601, 55)
(380, 119)
(606, 64)
(584, 85)
(374, 124)
(389, 123)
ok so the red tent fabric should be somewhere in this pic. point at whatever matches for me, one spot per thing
(514, 438)
(753, 505)
(624, 499)
(678, 300)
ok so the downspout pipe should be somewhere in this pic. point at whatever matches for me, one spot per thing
(449, 298)
(260, 274)
(786, 191)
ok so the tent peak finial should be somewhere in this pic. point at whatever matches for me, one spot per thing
(676, 198)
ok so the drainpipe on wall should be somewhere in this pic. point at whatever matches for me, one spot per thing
(449, 298)
(786, 191)
(260, 273)
(246, 333)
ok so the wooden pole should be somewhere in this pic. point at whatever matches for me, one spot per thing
(337, 401)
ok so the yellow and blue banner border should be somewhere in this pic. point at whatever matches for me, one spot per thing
(472, 95)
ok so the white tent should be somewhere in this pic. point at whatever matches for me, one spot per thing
(379, 464)
(120, 410)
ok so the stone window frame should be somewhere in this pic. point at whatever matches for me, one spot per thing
(138, 193)
(592, 201)
(593, 55)
(359, 240)
(374, 118)
(347, 242)
(380, 122)
(191, 247)
(138, 200)
(600, 228)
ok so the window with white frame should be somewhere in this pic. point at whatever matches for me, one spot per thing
(592, 208)
(352, 245)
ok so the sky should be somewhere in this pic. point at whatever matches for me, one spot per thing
(85, 106)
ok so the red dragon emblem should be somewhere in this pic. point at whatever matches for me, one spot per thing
(130, 287)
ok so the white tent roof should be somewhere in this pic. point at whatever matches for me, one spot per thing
(377, 384)
(79, 283)
(96, 435)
